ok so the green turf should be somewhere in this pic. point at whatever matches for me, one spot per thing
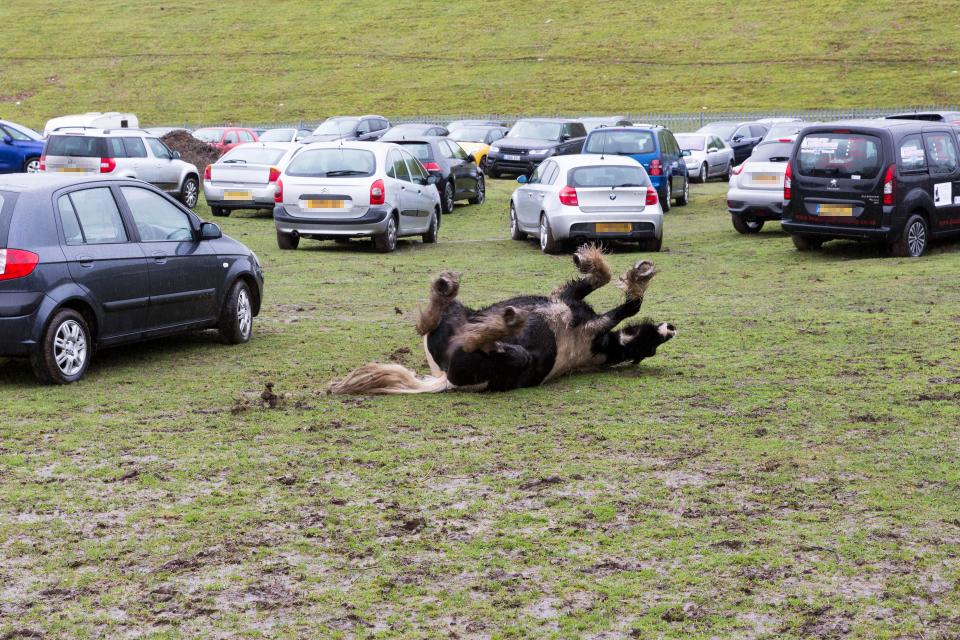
(785, 468)
(178, 61)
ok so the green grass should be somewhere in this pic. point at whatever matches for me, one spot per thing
(180, 61)
(785, 468)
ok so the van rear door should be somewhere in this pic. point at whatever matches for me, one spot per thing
(943, 161)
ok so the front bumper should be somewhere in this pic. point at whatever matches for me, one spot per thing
(757, 203)
(372, 223)
(525, 167)
(580, 224)
(261, 197)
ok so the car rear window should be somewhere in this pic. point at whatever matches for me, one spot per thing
(337, 162)
(252, 155)
(77, 146)
(772, 152)
(690, 142)
(420, 150)
(608, 176)
(839, 155)
(622, 143)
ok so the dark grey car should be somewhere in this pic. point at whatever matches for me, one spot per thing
(366, 128)
(88, 263)
(529, 142)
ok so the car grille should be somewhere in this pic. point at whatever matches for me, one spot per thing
(513, 152)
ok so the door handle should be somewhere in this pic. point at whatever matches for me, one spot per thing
(85, 261)
(159, 257)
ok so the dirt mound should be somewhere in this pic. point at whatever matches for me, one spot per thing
(191, 150)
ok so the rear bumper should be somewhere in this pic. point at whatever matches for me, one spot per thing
(757, 203)
(582, 225)
(373, 222)
(261, 197)
(884, 234)
(20, 322)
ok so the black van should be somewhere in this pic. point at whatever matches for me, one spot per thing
(891, 181)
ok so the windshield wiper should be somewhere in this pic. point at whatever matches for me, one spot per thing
(346, 172)
(234, 161)
(626, 184)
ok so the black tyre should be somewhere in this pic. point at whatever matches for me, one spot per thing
(493, 173)
(704, 173)
(287, 241)
(31, 165)
(446, 197)
(189, 191)
(684, 198)
(913, 242)
(481, 191)
(548, 244)
(483, 164)
(220, 212)
(806, 243)
(651, 244)
(515, 232)
(65, 350)
(387, 241)
(430, 237)
(666, 195)
(236, 317)
(746, 225)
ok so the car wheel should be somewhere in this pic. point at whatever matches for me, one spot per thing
(236, 317)
(481, 191)
(685, 198)
(548, 244)
(666, 195)
(220, 212)
(483, 164)
(189, 191)
(515, 232)
(65, 349)
(726, 173)
(746, 225)
(704, 173)
(806, 243)
(446, 198)
(287, 241)
(651, 244)
(493, 173)
(32, 165)
(430, 237)
(912, 243)
(387, 241)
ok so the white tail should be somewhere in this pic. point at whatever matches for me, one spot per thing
(388, 379)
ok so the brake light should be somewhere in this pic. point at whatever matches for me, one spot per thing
(840, 131)
(890, 185)
(788, 182)
(278, 192)
(652, 197)
(656, 169)
(43, 162)
(206, 173)
(107, 165)
(15, 263)
(568, 196)
(378, 194)
(737, 170)
(431, 166)
(784, 140)
(274, 174)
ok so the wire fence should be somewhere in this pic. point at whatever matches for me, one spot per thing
(679, 122)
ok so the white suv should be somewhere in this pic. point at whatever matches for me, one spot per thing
(121, 153)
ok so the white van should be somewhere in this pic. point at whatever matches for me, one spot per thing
(95, 119)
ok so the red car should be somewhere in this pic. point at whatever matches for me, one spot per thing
(225, 138)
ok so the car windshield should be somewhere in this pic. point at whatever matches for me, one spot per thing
(76, 146)
(721, 129)
(336, 127)
(839, 155)
(608, 176)
(420, 150)
(252, 155)
(691, 141)
(277, 135)
(536, 130)
(469, 134)
(208, 135)
(772, 152)
(327, 163)
(621, 143)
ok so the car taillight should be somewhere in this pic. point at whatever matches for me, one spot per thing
(652, 197)
(738, 169)
(788, 182)
(43, 162)
(107, 165)
(16, 263)
(568, 196)
(378, 195)
(656, 168)
(278, 193)
(431, 166)
(274, 174)
(206, 173)
(890, 184)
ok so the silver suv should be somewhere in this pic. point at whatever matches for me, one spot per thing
(121, 153)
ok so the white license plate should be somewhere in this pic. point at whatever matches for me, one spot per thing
(512, 158)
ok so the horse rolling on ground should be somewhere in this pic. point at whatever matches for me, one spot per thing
(524, 341)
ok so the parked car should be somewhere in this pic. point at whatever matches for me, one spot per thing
(891, 181)
(412, 130)
(950, 117)
(89, 263)
(337, 191)
(755, 194)
(742, 137)
(349, 128)
(587, 197)
(457, 175)
(246, 176)
(705, 155)
(162, 131)
(21, 148)
(786, 129)
(288, 134)
(592, 123)
(457, 124)
(121, 153)
(476, 140)
(656, 149)
(225, 138)
(92, 120)
(530, 141)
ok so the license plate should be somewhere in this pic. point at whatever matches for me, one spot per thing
(767, 179)
(512, 158)
(835, 210)
(236, 195)
(72, 170)
(324, 204)
(613, 227)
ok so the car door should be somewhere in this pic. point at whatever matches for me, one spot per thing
(11, 150)
(231, 138)
(419, 186)
(142, 166)
(168, 169)
(104, 260)
(185, 274)
(408, 201)
(462, 166)
(943, 162)
(532, 194)
(674, 160)
(363, 129)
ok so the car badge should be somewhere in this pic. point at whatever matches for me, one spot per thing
(833, 183)
(324, 190)
(613, 196)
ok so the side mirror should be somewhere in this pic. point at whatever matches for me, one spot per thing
(7, 139)
(522, 179)
(737, 138)
(686, 152)
(432, 179)
(564, 137)
(210, 231)
(711, 150)
(175, 154)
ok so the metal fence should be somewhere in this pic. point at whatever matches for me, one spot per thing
(679, 122)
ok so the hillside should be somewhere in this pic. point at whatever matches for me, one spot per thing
(178, 61)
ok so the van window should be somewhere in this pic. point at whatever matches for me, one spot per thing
(942, 152)
(912, 155)
(839, 155)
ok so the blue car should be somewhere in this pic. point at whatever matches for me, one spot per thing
(20, 149)
(653, 147)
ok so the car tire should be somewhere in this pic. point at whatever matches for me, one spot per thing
(651, 244)
(515, 233)
(65, 349)
(287, 241)
(386, 242)
(430, 237)
(483, 164)
(726, 173)
(189, 192)
(913, 242)
(746, 226)
(806, 243)
(548, 244)
(481, 191)
(236, 317)
(493, 173)
(704, 174)
(685, 197)
(666, 195)
(32, 165)
(220, 212)
(446, 197)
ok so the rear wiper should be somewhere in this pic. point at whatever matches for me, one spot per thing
(234, 161)
(627, 184)
(346, 172)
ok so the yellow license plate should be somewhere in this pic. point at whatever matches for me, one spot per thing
(236, 195)
(613, 227)
(72, 170)
(835, 210)
(767, 179)
(325, 204)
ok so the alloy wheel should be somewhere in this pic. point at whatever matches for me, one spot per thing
(244, 313)
(33, 166)
(703, 173)
(70, 348)
(190, 193)
(916, 238)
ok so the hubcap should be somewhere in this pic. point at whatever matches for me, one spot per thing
(448, 194)
(703, 173)
(392, 232)
(481, 189)
(916, 238)
(33, 166)
(190, 195)
(543, 234)
(244, 314)
(70, 348)
(513, 220)
(669, 192)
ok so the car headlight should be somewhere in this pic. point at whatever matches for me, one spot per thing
(539, 152)
(493, 151)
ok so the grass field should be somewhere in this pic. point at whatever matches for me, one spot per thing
(785, 468)
(179, 61)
